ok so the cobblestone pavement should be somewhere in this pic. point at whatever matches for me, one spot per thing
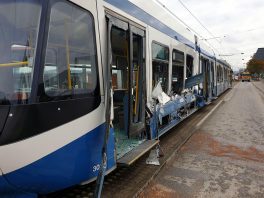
(259, 85)
(130, 181)
(225, 157)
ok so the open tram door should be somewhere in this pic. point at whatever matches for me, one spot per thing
(213, 82)
(127, 48)
(206, 69)
(137, 81)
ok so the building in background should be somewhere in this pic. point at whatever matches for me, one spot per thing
(259, 55)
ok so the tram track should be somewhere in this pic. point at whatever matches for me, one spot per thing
(131, 181)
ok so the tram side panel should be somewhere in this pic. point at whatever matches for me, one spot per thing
(70, 152)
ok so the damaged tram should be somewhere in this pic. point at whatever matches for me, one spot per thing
(86, 84)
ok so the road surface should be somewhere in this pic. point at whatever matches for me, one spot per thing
(225, 156)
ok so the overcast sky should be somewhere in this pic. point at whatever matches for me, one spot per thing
(239, 23)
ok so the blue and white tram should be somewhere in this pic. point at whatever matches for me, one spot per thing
(55, 57)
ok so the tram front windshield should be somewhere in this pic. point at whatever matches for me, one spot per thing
(19, 24)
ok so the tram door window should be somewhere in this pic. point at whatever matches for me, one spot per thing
(160, 65)
(137, 78)
(128, 49)
(120, 59)
(213, 72)
(70, 63)
(206, 73)
(177, 71)
(120, 77)
(221, 74)
(137, 81)
(189, 66)
(218, 73)
(213, 78)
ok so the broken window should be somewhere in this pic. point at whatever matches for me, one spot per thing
(189, 66)
(160, 65)
(120, 59)
(177, 71)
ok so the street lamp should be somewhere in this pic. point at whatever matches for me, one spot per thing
(206, 39)
(231, 54)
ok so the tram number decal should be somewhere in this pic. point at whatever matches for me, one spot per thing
(96, 167)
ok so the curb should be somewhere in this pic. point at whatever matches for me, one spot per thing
(258, 88)
(210, 113)
(164, 163)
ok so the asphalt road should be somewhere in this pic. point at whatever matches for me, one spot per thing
(225, 156)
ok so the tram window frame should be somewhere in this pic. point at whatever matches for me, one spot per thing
(85, 60)
(162, 65)
(190, 72)
(218, 73)
(221, 74)
(178, 69)
(212, 70)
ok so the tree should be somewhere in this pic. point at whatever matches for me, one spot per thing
(255, 66)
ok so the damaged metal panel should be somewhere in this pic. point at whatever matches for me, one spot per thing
(194, 80)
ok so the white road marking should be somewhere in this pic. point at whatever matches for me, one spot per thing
(210, 113)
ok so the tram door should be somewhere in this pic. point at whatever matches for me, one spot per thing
(206, 71)
(137, 81)
(128, 81)
(212, 79)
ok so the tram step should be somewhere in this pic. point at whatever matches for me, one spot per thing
(136, 153)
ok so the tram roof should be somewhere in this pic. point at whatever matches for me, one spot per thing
(154, 15)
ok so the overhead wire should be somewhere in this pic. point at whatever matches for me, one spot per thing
(185, 24)
(197, 19)
(173, 14)
(234, 33)
(210, 33)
